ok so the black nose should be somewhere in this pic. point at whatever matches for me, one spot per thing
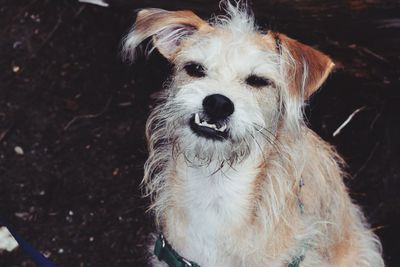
(217, 107)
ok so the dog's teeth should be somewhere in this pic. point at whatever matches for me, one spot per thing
(204, 123)
(197, 118)
(223, 128)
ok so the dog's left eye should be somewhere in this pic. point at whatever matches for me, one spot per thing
(195, 69)
(257, 81)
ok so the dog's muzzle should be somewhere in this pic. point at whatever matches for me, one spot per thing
(212, 122)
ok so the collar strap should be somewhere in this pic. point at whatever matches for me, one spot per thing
(296, 261)
(166, 253)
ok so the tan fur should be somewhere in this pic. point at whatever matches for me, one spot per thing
(148, 20)
(304, 56)
(245, 207)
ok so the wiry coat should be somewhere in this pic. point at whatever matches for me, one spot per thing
(272, 191)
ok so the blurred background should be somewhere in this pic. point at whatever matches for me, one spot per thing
(72, 118)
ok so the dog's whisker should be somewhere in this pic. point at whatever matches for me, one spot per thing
(266, 135)
(261, 128)
(272, 140)
(259, 147)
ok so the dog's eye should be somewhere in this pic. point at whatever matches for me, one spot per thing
(195, 69)
(257, 81)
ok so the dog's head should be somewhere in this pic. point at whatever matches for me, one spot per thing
(233, 88)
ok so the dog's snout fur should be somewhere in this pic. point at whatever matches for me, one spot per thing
(235, 176)
(218, 107)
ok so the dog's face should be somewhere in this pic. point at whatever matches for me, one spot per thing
(233, 87)
(226, 88)
(226, 84)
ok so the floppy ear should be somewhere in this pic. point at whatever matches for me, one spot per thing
(168, 29)
(308, 68)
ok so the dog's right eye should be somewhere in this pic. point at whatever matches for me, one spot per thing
(258, 81)
(195, 69)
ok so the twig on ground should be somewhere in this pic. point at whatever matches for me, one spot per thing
(88, 116)
(7, 130)
(371, 154)
(347, 121)
(371, 126)
(79, 12)
(389, 23)
(95, 2)
(50, 35)
(4, 133)
(368, 51)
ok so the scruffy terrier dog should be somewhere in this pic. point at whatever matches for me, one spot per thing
(236, 177)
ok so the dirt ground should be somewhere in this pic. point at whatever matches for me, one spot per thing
(72, 119)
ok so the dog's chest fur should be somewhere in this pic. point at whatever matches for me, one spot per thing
(213, 208)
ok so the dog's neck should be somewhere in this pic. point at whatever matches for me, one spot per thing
(224, 190)
(208, 201)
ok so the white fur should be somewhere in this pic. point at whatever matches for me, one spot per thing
(237, 202)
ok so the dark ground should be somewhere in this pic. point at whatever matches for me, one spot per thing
(78, 113)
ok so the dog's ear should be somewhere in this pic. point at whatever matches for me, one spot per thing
(167, 28)
(307, 67)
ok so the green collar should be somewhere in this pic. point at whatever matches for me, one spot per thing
(166, 253)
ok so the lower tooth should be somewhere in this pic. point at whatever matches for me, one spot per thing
(197, 118)
(208, 125)
(223, 128)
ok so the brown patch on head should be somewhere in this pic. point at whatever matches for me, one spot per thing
(168, 29)
(264, 41)
(309, 67)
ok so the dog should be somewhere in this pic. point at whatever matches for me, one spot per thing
(235, 176)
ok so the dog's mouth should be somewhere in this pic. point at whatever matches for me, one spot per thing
(208, 129)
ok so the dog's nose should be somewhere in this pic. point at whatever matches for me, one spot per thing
(218, 107)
